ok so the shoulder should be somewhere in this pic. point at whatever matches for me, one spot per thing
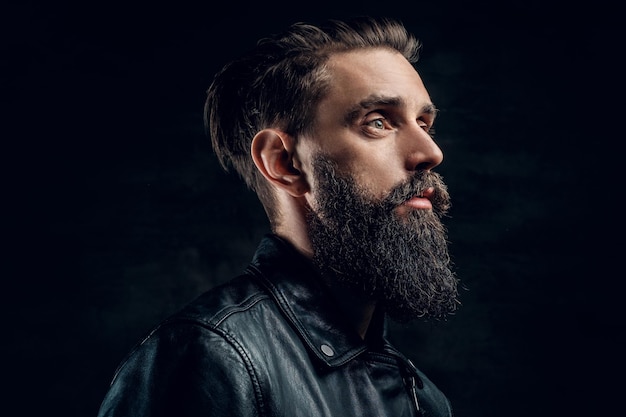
(194, 359)
(215, 306)
(213, 323)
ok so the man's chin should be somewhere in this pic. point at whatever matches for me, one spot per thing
(389, 250)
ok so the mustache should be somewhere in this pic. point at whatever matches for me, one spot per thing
(416, 185)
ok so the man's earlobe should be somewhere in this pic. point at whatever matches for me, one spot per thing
(273, 151)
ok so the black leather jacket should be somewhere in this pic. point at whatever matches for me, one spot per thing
(269, 343)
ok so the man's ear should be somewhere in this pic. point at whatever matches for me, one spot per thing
(273, 154)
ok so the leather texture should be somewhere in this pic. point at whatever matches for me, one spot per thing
(269, 343)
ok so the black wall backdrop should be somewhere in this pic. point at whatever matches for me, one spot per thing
(117, 213)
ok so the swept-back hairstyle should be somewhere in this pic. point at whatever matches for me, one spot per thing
(279, 84)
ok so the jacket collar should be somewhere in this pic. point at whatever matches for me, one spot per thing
(297, 288)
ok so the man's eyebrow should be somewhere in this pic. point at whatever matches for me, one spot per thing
(376, 100)
(369, 102)
(430, 108)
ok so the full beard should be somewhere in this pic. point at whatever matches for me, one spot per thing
(401, 263)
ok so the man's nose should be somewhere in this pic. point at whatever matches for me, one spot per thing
(423, 154)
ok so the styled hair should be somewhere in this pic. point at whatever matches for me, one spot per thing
(279, 85)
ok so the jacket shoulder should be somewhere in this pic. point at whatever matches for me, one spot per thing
(221, 302)
(174, 369)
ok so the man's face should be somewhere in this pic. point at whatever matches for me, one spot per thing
(374, 122)
(374, 222)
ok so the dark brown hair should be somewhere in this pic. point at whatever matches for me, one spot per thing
(279, 84)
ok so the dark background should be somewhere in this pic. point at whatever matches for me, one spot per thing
(117, 213)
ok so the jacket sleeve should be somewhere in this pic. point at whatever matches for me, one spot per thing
(184, 370)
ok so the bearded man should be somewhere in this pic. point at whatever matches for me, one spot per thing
(331, 126)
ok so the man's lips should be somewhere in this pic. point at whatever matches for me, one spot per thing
(422, 201)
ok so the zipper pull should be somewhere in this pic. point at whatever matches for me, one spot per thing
(413, 382)
(413, 392)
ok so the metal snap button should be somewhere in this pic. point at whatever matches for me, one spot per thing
(327, 350)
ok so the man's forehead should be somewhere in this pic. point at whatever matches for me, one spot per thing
(367, 62)
(373, 77)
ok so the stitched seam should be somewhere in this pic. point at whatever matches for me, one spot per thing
(293, 318)
(284, 305)
(382, 357)
(251, 371)
(243, 306)
(247, 361)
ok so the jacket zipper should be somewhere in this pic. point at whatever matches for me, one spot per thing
(413, 391)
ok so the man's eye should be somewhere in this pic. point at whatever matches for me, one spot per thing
(428, 129)
(377, 123)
